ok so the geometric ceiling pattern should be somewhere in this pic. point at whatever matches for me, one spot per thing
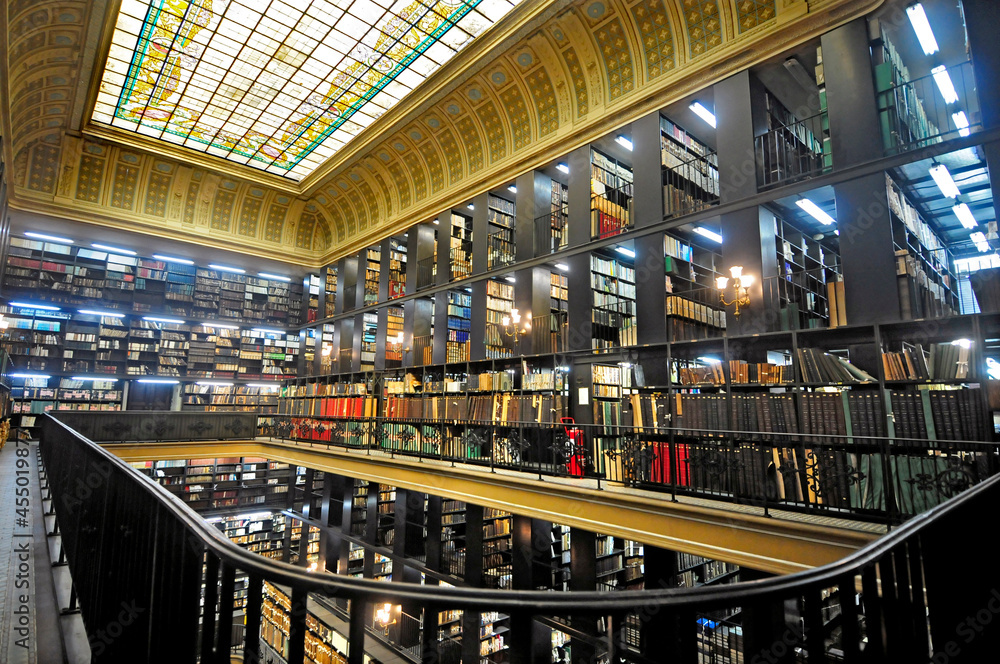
(555, 75)
(279, 85)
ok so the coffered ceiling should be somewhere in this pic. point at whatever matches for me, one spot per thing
(342, 121)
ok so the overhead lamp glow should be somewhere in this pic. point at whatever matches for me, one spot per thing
(711, 235)
(173, 259)
(562, 266)
(965, 215)
(625, 251)
(964, 343)
(114, 250)
(214, 383)
(709, 360)
(703, 113)
(512, 188)
(815, 211)
(921, 26)
(94, 312)
(221, 326)
(265, 386)
(436, 222)
(944, 181)
(979, 239)
(624, 142)
(961, 121)
(26, 305)
(266, 330)
(944, 83)
(509, 279)
(227, 268)
(28, 376)
(268, 275)
(49, 238)
(110, 380)
(563, 168)
(155, 319)
(159, 381)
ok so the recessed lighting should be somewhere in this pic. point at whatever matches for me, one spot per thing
(961, 121)
(944, 181)
(509, 279)
(815, 211)
(711, 235)
(512, 188)
(227, 268)
(921, 26)
(563, 267)
(155, 319)
(114, 250)
(267, 330)
(703, 113)
(471, 206)
(965, 215)
(944, 83)
(964, 343)
(436, 222)
(562, 168)
(25, 305)
(222, 326)
(213, 382)
(94, 312)
(50, 238)
(173, 259)
(268, 275)
(28, 376)
(625, 251)
(110, 380)
(709, 360)
(266, 386)
(980, 241)
(159, 381)
(624, 142)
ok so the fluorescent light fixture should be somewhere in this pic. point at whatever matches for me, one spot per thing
(471, 206)
(159, 381)
(625, 251)
(173, 259)
(436, 222)
(512, 188)
(222, 326)
(965, 215)
(25, 305)
(29, 376)
(944, 181)
(625, 365)
(961, 121)
(227, 268)
(267, 330)
(980, 241)
(50, 238)
(562, 168)
(110, 380)
(943, 80)
(268, 275)
(155, 319)
(213, 382)
(509, 279)
(94, 312)
(562, 266)
(624, 142)
(114, 250)
(815, 211)
(264, 385)
(964, 343)
(711, 235)
(709, 360)
(703, 113)
(921, 26)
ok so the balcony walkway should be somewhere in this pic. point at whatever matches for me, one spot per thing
(781, 542)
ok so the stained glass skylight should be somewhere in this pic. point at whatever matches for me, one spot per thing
(280, 85)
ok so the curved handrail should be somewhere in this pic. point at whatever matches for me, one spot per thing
(534, 601)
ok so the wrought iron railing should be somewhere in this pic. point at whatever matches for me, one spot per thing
(422, 351)
(426, 272)
(128, 543)
(793, 152)
(500, 248)
(916, 114)
(142, 426)
(690, 186)
(549, 332)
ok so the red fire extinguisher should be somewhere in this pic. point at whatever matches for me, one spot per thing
(577, 462)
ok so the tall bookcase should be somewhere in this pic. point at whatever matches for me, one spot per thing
(460, 246)
(613, 315)
(690, 171)
(611, 195)
(500, 245)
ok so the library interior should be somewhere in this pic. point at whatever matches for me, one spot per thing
(499, 331)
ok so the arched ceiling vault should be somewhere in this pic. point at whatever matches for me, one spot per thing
(548, 77)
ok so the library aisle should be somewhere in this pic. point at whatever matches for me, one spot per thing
(29, 616)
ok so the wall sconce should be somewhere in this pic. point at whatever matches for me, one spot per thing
(741, 282)
(383, 616)
(511, 323)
